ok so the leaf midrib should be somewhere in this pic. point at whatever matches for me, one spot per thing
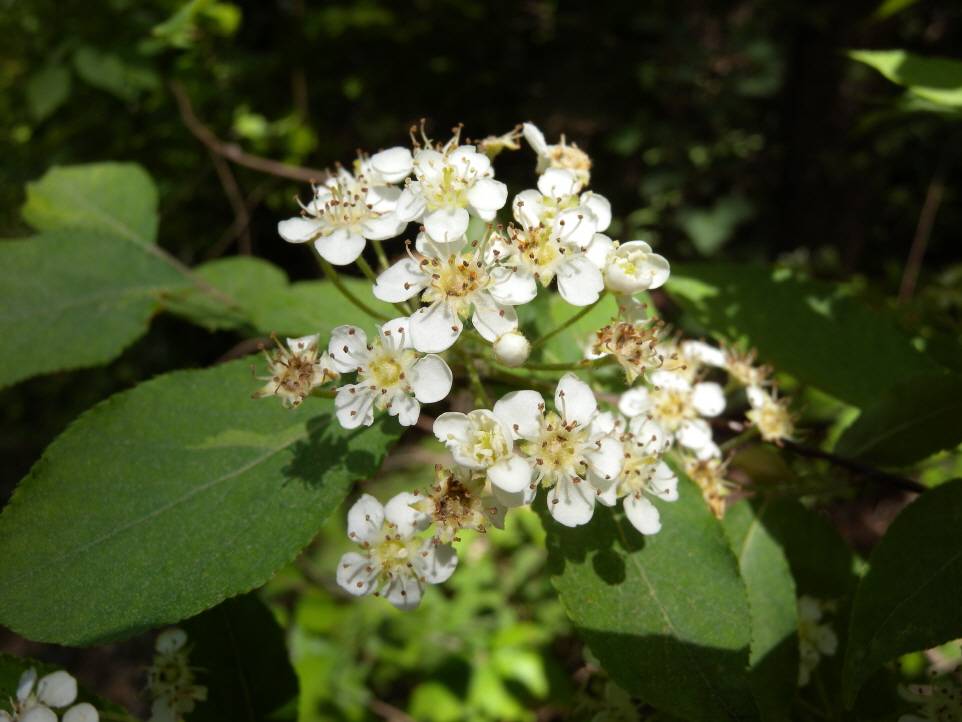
(900, 427)
(125, 230)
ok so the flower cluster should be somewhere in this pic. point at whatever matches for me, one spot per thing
(939, 701)
(171, 680)
(816, 638)
(36, 701)
(458, 285)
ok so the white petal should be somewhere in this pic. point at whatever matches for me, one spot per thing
(57, 689)
(436, 562)
(452, 427)
(649, 434)
(429, 164)
(522, 412)
(83, 712)
(348, 348)
(468, 163)
(300, 229)
(580, 283)
(406, 408)
(446, 224)
(694, 434)
(642, 514)
(356, 573)
(392, 165)
(395, 334)
(492, 320)
(574, 400)
(711, 450)
(535, 138)
(757, 396)
(513, 287)
(488, 194)
(664, 483)
(704, 353)
(410, 204)
(38, 714)
(634, 402)
(605, 460)
(608, 497)
(354, 406)
(25, 685)
(708, 398)
(514, 500)
(431, 379)
(599, 249)
(408, 520)
(364, 519)
(558, 183)
(512, 474)
(575, 227)
(383, 199)
(669, 380)
(571, 504)
(341, 247)
(600, 207)
(170, 640)
(435, 328)
(5, 716)
(382, 227)
(404, 591)
(401, 281)
(527, 207)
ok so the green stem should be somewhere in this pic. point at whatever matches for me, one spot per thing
(571, 321)
(381, 255)
(578, 366)
(332, 276)
(734, 442)
(118, 716)
(480, 394)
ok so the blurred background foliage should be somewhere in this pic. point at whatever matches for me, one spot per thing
(735, 129)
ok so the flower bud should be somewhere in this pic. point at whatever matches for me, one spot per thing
(512, 348)
(57, 689)
(633, 267)
(83, 712)
(40, 713)
(170, 640)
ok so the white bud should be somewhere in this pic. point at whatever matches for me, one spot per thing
(633, 267)
(82, 712)
(57, 689)
(38, 714)
(170, 640)
(512, 348)
(25, 685)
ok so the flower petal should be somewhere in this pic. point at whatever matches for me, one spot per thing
(392, 165)
(492, 320)
(528, 207)
(25, 685)
(436, 563)
(708, 398)
(599, 248)
(403, 591)
(401, 281)
(348, 348)
(704, 353)
(575, 227)
(535, 138)
(558, 183)
(408, 520)
(407, 409)
(571, 504)
(664, 483)
(487, 194)
(340, 247)
(300, 229)
(356, 573)
(642, 514)
(83, 712)
(431, 379)
(512, 474)
(354, 406)
(580, 283)
(522, 412)
(57, 689)
(435, 328)
(513, 286)
(512, 500)
(605, 461)
(694, 434)
(382, 227)
(364, 519)
(600, 207)
(38, 714)
(574, 400)
(634, 402)
(446, 224)
(410, 204)
(395, 334)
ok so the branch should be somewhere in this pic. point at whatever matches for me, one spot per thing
(232, 151)
(913, 264)
(236, 198)
(899, 482)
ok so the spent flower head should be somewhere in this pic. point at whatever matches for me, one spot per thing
(296, 370)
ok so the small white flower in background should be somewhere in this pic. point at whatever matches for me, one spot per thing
(559, 198)
(628, 268)
(171, 680)
(633, 344)
(391, 376)
(939, 701)
(560, 155)
(36, 701)
(482, 440)
(344, 214)
(815, 638)
(769, 414)
(450, 183)
(493, 145)
(699, 353)
(393, 561)
(455, 280)
(573, 450)
(742, 368)
(459, 499)
(295, 371)
(644, 473)
(678, 406)
(512, 349)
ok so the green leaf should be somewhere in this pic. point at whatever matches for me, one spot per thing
(909, 599)
(666, 615)
(908, 423)
(771, 597)
(71, 300)
(807, 328)
(111, 73)
(269, 304)
(116, 198)
(569, 345)
(47, 90)
(243, 654)
(12, 667)
(711, 228)
(938, 80)
(166, 499)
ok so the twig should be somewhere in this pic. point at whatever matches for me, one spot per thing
(234, 195)
(898, 482)
(245, 348)
(233, 152)
(387, 711)
(333, 277)
(930, 208)
(570, 322)
(239, 225)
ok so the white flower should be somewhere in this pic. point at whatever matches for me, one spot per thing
(346, 211)
(449, 183)
(170, 678)
(36, 701)
(392, 562)
(455, 280)
(633, 344)
(391, 376)
(573, 450)
(677, 406)
(628, 268)
(482, 440)
(769, 414)
(295, 371)
(644, 473)
(460, 499)
(512, 349)
(561, 155)
(814, 639)
(386, 167)
(703, 353)
(742, 368)
(940, 701)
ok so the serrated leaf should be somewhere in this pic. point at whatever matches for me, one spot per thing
(246, 668)
(166, 499)
(116, 198)
(666, 615)
(72, 300)
(809, 329)
(771, 598)
(938, 80)
(908, 423)
(909, 599)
